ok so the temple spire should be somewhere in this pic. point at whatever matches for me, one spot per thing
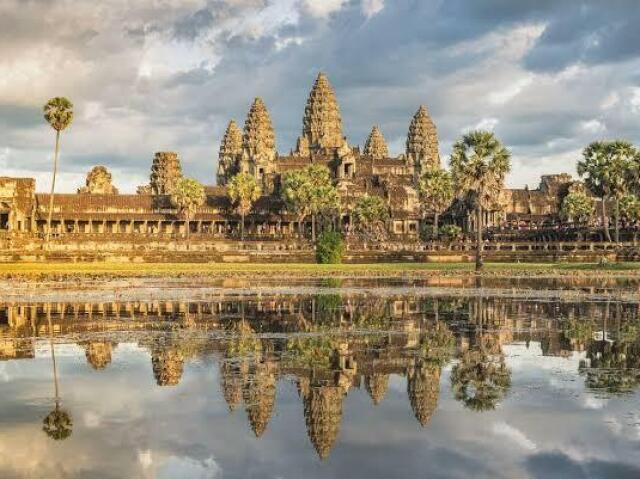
(230, 151)
(259, 138)
(422, 141)
(322, 123)
(376, 146)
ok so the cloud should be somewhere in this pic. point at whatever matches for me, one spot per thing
(548, 76)
(513, 436)
(372, 7)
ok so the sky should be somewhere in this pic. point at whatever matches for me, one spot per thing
(547, 76)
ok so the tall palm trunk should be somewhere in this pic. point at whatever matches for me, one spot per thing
(53, 360)
(617, 220)
(242, 226)
(479, 245)
(435, 225)
(53, 186)
(605, 220)
(188, 230)
(313, 227)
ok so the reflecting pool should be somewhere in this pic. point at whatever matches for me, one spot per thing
(360, 380)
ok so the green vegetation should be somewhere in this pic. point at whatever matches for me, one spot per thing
(609, 169)
(71, 271)
(450, 233)
(330, 248)
(187, 197)
(436, 194)
(58, 112)
(577, 206)
(309, 191)
(243, 190)
(479, 164)
(370, 214)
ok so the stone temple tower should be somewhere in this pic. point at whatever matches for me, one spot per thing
(422, 142)
(165, 173)
(376, 146)
(322, 123)
(258, 144)
(230, 153)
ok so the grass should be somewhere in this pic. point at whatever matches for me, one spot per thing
(44, 270)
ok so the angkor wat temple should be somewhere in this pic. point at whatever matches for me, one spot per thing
(98, 207)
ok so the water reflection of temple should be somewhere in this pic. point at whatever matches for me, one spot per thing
(331, 345)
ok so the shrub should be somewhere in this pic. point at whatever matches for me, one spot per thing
(450, 232)
(330, 248)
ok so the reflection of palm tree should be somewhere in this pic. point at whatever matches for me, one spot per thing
(58, 423)
(481, 379)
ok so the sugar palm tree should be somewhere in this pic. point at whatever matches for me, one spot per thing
(607, 167)
(57, 424)
(479, 164)
(187, 196)
(436, 193)
(243, 190)
(59, 114)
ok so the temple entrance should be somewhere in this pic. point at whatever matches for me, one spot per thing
(5, 210)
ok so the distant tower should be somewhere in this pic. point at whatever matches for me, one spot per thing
(376, 146)
(230, 153)
(98, 182)
(165, 173)
(322, 123)
(258, 144)
(422, 142)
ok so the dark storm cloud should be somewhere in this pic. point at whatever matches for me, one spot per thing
(556, 465)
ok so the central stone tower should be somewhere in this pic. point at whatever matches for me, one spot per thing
(322, 123)
(422, 142)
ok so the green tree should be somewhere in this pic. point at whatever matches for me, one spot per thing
(370, 213)
(324, 197)
(187, 196)
(296, 194)
(436, 193)
(58, 112)
(243, 191)
(479, 164)
(577, 206)
(630, 212)
(607, 166)
(58, 424)
(310, 191)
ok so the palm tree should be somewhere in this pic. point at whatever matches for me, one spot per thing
(436, 193)
(59, 114)
(187, 196)
(243, 190)
(58, 423)
(479, 163)
(371, 213)
(607, 166)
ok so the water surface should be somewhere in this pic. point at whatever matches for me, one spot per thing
(332, 381)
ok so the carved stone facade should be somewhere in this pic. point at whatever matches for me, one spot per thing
(376, 146)
(422, 141)
(98, 182)
(165, 173)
